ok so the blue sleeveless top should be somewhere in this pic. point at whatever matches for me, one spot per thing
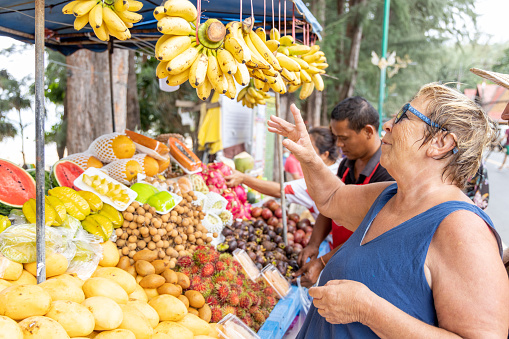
(391, 265)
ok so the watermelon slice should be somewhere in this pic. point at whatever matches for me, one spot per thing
(16, 187)
(64, 172)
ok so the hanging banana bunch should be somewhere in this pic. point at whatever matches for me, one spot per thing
(106, 17)
(251, 96)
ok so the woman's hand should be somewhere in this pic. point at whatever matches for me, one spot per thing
(342, 301)
(310, 272)
(298, 141)
(235, 179)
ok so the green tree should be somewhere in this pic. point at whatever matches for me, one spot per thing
(14, 96)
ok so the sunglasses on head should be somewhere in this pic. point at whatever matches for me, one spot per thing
(403, 114)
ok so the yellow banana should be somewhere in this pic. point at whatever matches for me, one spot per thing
(313, 49)
(311, 58)
(120, 5)
(83, 7)
(258, 74)
(322, 59)
(302, 63)
(80, 22)
(67, 9)
(289, 76)
(248, 97)
(113, 21)
(95, 16)
(102, 32)
(313, 70)
(231, 90)
(264, 93)
(172, 46)
(235, 48)
(174, 26)
(293, 88)
(183, 61)
(161, 71)
(278, 86)
(256, 57)
(286, 40)
(203, 91)
(288, 63)
(317, 81)
(283, 50)
(214, 74)
(265, 52)
(304, 76)
(261, 34)
(258, 84)
(242, 94)
(298, 49)
(135, 5)
(181, 8)
(274, 34)
(162, 39)
(235, 43)
(321, 65)
(242, 74)
(118, 34)
(159, 12)
(271, 72)
(266, 88)
(128, 24)
(252, 92)
(306, 90)
(226, 61)
(198, 71)
(131, 17)
(273, 45)
(178, 79)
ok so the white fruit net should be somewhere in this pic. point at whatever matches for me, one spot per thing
(80, 158)
(117, 170)
(212, 223)
(102, 148)
(215, 203)
(140, 158)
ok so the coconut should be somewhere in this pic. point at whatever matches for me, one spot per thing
(243, 162)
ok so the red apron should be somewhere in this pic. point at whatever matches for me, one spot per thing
(339, 233)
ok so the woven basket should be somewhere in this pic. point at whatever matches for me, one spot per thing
(164, 137)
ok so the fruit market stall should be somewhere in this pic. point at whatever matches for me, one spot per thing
(123, 235)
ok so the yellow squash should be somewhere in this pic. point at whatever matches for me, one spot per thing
(73, 202)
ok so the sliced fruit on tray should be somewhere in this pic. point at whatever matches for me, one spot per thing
(16, 187)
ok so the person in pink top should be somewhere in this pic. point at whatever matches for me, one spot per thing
(293, 168)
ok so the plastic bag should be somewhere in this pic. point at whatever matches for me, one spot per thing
(70, 226)
(17, 217)
(18, 243)
(88, 254)
(305, 298)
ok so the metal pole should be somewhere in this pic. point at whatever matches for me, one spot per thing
(385, 35)
(281, 171)
(39, 139)
(110, 65)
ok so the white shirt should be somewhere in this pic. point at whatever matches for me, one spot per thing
(296, 192)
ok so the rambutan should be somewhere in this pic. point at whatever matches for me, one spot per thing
(230, 276)
(195, 269)
(258, 316)
(219, 279)
(241, 313)
(268, 291)
(229, 309)
(261, 284)
(244, 300)
(248, 320)
(234, 299)
(195, 280)
(220, 266)
(253, 309)
(209, 287)
(199, 288)
(269, 302)
(216, 314)
(185, 261)
(254, 298)
(207, 270)
(256, 326)
(211, 300)
(201, 258)
(222, 291)
(186, 271)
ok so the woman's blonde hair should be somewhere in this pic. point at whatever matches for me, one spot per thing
(461, 116)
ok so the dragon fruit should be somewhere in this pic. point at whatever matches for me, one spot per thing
(216, 178)
(214, 189)
(241, 194)
(221, 167)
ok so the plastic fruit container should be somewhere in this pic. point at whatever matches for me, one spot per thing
(272, 275)
(247, 264)
(233, 328)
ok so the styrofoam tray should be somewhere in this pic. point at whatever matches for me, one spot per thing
(94, 171)
(148, 151)
(184, 169)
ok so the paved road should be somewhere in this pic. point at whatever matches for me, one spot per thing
(498, 207)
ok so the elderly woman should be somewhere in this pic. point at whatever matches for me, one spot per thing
(423, 262)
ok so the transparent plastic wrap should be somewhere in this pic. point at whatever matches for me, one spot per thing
(88, 254)
(17, 217)
(17, 243)
(272, 275)
(233, 328)
(71, 225)
(247, 264)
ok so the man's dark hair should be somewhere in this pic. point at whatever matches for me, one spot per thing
(325, 141)
(358, 111)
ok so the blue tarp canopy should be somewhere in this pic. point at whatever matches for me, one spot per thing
(17, 21)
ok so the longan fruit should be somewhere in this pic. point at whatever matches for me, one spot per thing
(169, 251)
(140, 219)
(156, 238)
(156, 223)
(161, 232)
(193, 247)
(195, 198)
(161, 255)
(146, 207)
(196, 214)
(125, 251)
(126, 223)
(142, 244)
(144, 230)
(173, 218)
(185, 222)
(184, 237)
(160, 244)
(147, 239)
(172, 264)
(215, 235)
(179, 220)
(132, 246)
(199, 241)
(198, 234)
(178, 240)
(208, 240)
(192, 238)
(135, 204)
(152, 231)
(173, 213)
(132, 238)
(128, 216)
(166, 244)
(136, 232)
(130, 209)
(119, 232)
(140, 211)
(151, 245)
(168, 228)
(165, 217)
(120, 243)
(174, 233)
(124, 236)
(133, 225)
(152, 210)
(129, 231)
(132, 253)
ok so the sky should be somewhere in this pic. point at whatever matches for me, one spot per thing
(492, 15)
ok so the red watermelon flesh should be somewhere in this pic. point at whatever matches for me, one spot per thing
(16, 186)
(64, 172)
